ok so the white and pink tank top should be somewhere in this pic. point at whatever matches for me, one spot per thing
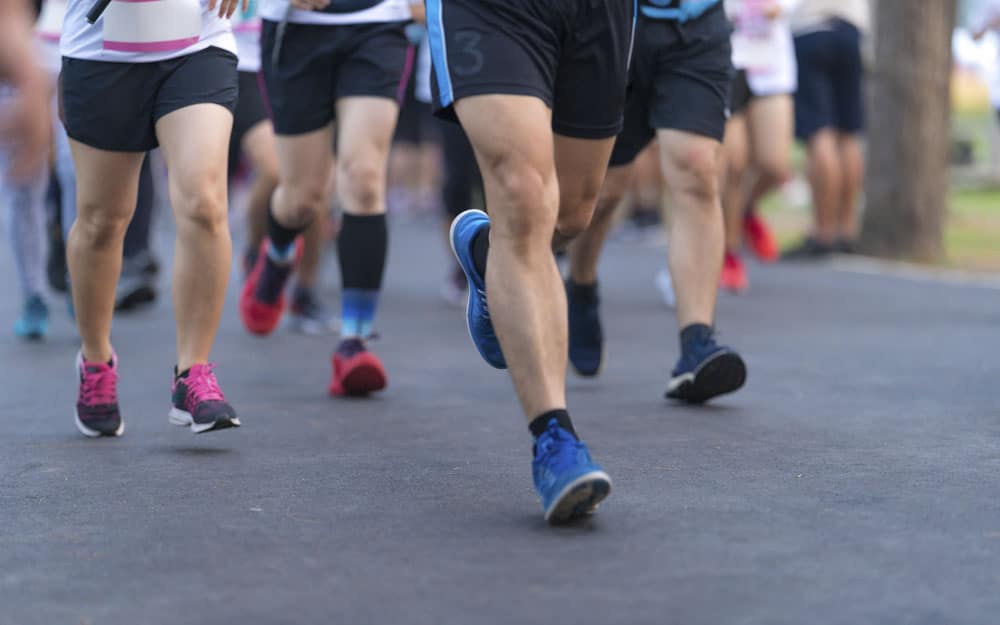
(246, 27)
(763, 46)
(339, 12)
(143, 31)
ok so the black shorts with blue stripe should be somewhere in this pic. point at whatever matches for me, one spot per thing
(571, 54)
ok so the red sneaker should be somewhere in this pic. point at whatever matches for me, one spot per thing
(734, 274)
(759, 238)
(356, 371)
(262, 300)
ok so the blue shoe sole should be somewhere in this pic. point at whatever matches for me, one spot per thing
(497, 364)
(722, 373)
(579, 498)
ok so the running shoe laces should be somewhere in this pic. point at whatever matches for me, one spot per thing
(202, 386)
(557, 450)
(481, 294)
(98, 385)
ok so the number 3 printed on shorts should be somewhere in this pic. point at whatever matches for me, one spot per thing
(468, 59)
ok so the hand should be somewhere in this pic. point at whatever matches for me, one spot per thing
(26, 126)
(772, 11)
(419, 12)
(310, 5)
(228, 7)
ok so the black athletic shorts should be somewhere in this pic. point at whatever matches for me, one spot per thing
(572, 54)
(740, 93)
(831, 77)
(318, 64)
(681, 75)
(250, 111)
(115, 106)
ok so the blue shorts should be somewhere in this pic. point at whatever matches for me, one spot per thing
(831, 76)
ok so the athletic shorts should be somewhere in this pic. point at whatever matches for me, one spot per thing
(681, 75)
(572, 54)
(317, 64)
(250, 111)
(115, 106)
(831, 92)
(740, 93)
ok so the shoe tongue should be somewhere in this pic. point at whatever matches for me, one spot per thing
(94, 368)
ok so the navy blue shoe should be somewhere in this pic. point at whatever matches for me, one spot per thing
(586, 338)
(569, 483)
(706, 370)
(464, 229)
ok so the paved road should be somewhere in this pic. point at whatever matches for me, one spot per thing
(854, 481)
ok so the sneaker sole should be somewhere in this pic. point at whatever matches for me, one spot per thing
(360, 382)
(468, 295)
(183, 418)
(721, 374)
(91, 433)
(579, 498)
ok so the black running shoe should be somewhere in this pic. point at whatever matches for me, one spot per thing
(586, 338)
(810, 248)
(705, 371)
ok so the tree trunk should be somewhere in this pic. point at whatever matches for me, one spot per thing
(909, 134)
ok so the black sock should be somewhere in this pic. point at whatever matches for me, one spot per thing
(281, 237)
(540, 424)
(361, 248)
(581, 291)
(481, 249)
(181, 374)
(694, 334)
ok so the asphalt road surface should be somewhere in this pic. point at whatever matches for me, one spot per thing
(854, 480)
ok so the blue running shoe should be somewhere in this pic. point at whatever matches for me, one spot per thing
(33, 324)
(586, 338)
(463, 232)
(706, 370)
(569, 483)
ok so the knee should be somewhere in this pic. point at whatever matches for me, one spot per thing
(201, 205)
(363, 180)
(98, 228)
(531, 199)
(301, 203)
(697, 175)
(776, 171)
(577, 207)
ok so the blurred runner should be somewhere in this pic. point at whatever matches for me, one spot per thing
(758, 141)
(830, 118)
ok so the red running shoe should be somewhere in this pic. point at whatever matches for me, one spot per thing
(356, 371)
(262, 300)
(759, 238)
(734, 274)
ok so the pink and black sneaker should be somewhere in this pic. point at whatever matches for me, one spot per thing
(199, 403)
(97, 411)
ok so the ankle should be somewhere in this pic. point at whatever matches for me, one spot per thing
(694, 334)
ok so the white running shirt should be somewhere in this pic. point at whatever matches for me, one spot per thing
(144, 31)
(246, 28)
(763, 47)
(378, 11)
